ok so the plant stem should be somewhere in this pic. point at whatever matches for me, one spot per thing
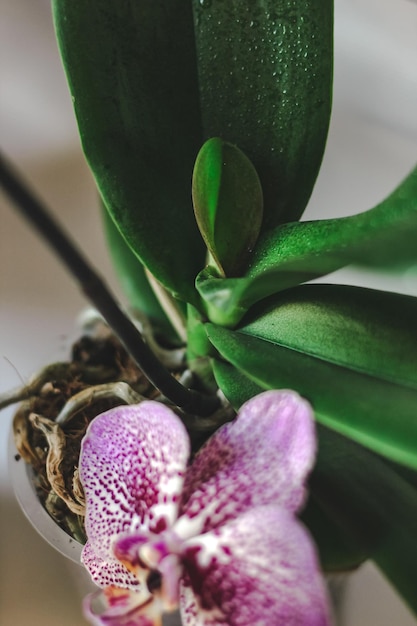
(99, 295)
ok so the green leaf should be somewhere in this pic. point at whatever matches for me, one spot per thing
(372, 332)
(221, 297)
(132, 73)
(228, 204)
(384, 237)
(133, 279)
(405, 472)
(373, 504)
(265, 71)
(237, 387)
(351, 352)
(338, 550)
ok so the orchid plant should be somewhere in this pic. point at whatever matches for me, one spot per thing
(204, 123)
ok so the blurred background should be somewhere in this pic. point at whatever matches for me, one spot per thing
(372, 146)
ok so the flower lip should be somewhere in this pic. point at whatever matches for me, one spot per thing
(156, 561)
(115, 607)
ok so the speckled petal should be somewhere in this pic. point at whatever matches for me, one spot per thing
(263, 457)
(132, 464)
(258, 570)
(107, 572)
(119, 607)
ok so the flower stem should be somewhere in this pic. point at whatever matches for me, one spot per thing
(99, 295)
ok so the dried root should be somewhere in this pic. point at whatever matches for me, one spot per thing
(109, 391)
(56, 440)
(58, 404)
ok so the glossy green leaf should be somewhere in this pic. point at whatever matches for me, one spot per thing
(406, 473)
(384, 237)
(235, 385)
(228, 204)
(265, 71)
(351, 352)
(373, 504)
(338, 550)
(369, 331)
(132, 74)
(133, 279)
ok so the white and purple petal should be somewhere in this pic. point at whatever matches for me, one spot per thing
(109, 572)
(263, 457)
(132, 465)
(259, 569)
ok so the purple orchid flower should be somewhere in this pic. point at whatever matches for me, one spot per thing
(218, 538)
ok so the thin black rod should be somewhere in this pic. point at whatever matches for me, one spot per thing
(99, 295)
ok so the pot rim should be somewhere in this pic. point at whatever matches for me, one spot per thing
(21, 475)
